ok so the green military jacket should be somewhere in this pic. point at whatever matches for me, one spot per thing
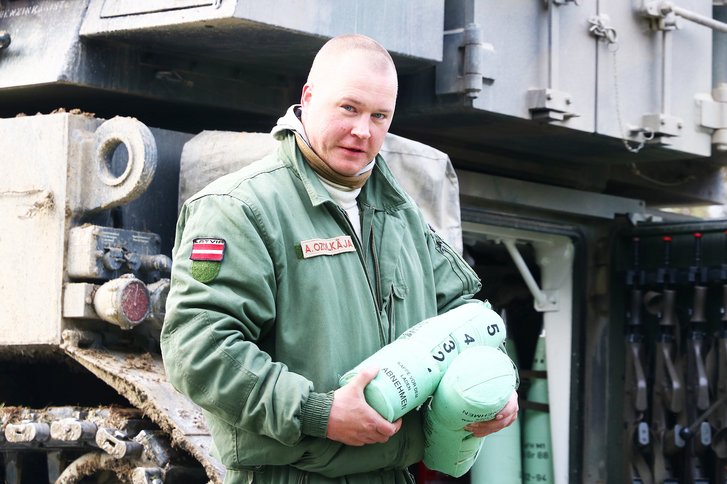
(273, 297)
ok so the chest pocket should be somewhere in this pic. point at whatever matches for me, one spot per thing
(393, 304)
(392, 246)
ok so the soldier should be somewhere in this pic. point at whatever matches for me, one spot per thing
(296, 268)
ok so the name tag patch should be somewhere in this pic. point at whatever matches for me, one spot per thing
(336, 245)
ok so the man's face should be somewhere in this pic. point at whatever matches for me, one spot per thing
(347, 113)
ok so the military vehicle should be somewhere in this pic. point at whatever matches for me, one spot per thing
(545, 139)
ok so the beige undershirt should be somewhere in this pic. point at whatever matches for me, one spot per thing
(342, 189)
(346, 199)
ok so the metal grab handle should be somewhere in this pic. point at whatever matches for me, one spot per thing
(696, 18)
(661, 8)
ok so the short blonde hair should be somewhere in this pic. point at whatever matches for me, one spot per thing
(346, 44)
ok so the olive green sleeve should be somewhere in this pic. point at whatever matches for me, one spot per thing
(315, 413)
(214, 319)
(456, 281)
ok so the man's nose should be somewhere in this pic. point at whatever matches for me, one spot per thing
(361, 127)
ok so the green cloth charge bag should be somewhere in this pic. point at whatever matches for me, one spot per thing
(411, 367)
(477, 385)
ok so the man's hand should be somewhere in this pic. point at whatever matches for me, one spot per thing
(352, 421)
(503, 419)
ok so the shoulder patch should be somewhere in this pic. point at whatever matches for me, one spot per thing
(207, 254)
(209, 249)
(204, 270)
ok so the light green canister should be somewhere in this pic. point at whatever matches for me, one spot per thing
(476, 386)
(411, 367)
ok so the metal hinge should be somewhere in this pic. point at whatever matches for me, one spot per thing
(476, 64)
(549, 103)
(661, 127)
(713, 115)
(659, 18)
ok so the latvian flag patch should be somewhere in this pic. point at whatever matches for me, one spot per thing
(208, 249)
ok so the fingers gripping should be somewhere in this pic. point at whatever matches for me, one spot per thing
(352, 421)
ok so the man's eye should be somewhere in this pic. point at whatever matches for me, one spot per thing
(348, 108)
(379, 115)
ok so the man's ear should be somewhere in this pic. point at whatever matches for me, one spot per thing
(306, 95)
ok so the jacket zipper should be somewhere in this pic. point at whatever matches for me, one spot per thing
(359, 249)
(459, 266)
(375, 260)
(392, 318)
(377, 284)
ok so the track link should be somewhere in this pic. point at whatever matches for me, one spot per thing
(82, 445)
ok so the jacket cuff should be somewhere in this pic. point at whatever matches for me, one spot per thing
(314, 414)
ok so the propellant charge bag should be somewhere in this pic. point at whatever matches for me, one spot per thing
(477, 385)
(411, 367)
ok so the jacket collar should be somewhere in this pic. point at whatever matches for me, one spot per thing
(381, 191)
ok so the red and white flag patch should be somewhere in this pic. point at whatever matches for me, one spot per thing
(208, 249)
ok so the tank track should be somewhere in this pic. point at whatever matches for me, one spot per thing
(83, 445)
